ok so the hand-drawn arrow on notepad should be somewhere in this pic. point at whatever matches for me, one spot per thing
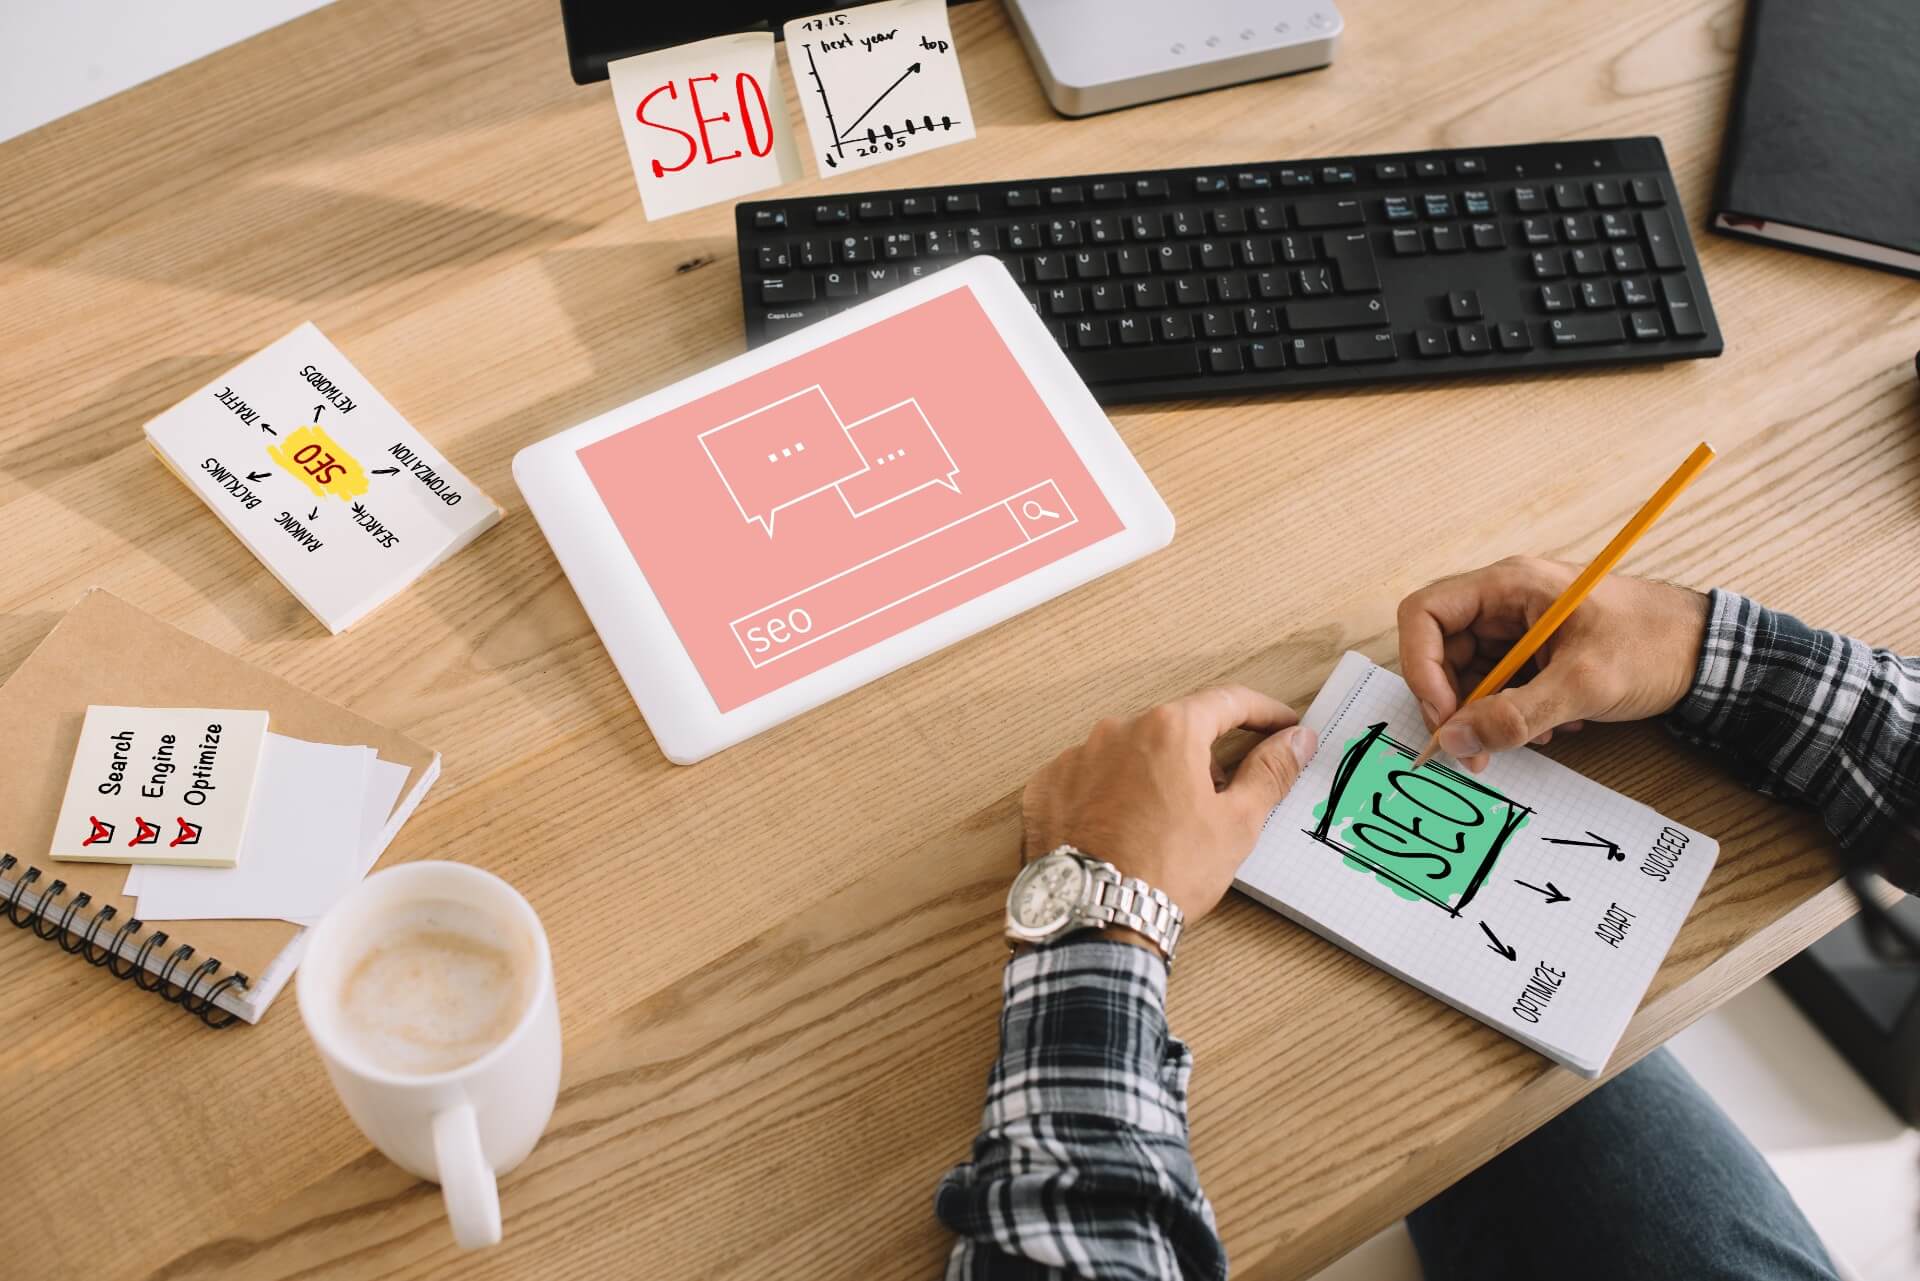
(1598, 842)
(1497, 945)
(385, 471)
(1552, 893)
(257, 476)
(848, 131)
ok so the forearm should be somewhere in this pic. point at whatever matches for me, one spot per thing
(1081, 1167)
(1815, 717)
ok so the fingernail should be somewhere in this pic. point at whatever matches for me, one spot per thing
(1426, 710)
(1302, 742)
(1460, 740)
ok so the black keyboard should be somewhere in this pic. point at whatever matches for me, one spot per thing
(1308, 273)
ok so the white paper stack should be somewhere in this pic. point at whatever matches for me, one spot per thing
(318, 823)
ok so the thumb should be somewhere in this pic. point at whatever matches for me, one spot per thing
(1508, 719)
(1269, 771)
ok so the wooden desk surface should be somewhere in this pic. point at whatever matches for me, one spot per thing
(779, 969)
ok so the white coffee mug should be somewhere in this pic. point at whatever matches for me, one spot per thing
(460, 1127)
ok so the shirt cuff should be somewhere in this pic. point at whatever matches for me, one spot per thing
(1083, 1030)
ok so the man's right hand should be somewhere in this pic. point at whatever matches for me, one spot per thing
(1627, 653)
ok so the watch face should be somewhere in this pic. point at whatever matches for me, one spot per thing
(1046, 892)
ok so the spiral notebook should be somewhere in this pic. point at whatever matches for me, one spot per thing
(105, 651)
(1529, 896)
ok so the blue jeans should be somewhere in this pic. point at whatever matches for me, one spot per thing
(1645, 1178)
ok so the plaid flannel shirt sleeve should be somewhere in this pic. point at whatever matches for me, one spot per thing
(1815, 717)
(1081, 1167)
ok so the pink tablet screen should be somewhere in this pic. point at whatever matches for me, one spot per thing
(835, 500)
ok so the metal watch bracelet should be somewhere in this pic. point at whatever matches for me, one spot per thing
(1130, 902)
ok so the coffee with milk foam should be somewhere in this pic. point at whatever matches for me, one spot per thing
(436, 986)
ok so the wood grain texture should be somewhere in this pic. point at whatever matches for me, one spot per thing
(778, 970)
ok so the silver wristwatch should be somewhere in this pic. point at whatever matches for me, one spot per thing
(1064, 890)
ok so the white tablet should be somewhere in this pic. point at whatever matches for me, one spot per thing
(813, 514)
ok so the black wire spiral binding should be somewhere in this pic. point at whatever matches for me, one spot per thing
(198, 994)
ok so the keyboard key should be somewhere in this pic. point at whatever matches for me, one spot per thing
(1313, 281)
(1471, 340)
(1595, 295)
(1307, 353)
(1172, 258)
(838, 283)
(1188, 222)
(1596, 330)
(1023, 197)
(1296, 248)
(1215, 254)
(1329, 212)
(1464, 304)
(1149, 295)
(814, 251)
(1048, 267)
(1295, 178)
(1431, 341)
(771, 258)
(1645, 326)
(1227, 222)
(1089, 264)
(896, 245)
(1091, 333)
(1616, 226)
(960, 202)
(1568, 195)
(1258, 321)
(1528, 199)
(1352, 258)
(1148, 225)
(1175, 326)
(1255, 251)
(1390, 171)
(1476, 203)
(1446, 238)
(1577, 229)
(1486, 235)
(1647, 192)
(1106, 296)
(1634, 292)
(1437, 204)
(1104, 191)
(1364, 349)
(1625, 258)
(918, 207)
(1231, 287)
(1208, 184)
(1149, 188)
(1132, 331)
(1556, 297)
(1104, 229)
(1607, 194)
(1660, 242)
(1021, 237)
(1682, 314)
(831, 213)
(1063, 233)
(1469, 166)
(879, 279)
(1189, 291)
(1513, 336)
(1272, 284)
(1585, 260)
(1547, 264)
(1537, 231)
(1266, 354)
(856, 249)
(1406, 242)
(787, 289)
(1253, 180)
(1224, 358)
(1137, 364)
(1336, 313)
(1429, 168)
(1065, 300)
(1065, 193)
(778, 324)
(1132, 260)
(1399, 209)
(1338, 175)
(769, 219)
(1269, 217)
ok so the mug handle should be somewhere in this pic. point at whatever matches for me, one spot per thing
(466, 1180)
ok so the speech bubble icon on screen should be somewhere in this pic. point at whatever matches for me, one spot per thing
(903, 454)
(781, 453)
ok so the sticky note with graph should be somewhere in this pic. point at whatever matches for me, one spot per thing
(878, 82)
(1528, 896)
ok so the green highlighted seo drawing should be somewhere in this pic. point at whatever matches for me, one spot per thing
(1432, 833)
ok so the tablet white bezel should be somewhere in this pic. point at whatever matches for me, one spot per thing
(633, 625)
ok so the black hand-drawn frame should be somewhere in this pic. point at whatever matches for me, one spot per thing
(1342, 776)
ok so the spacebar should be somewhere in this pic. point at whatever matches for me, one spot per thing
(1137, 364)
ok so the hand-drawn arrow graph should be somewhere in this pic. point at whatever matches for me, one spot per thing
(875, 136)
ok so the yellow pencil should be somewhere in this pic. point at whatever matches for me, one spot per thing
(1577, 591)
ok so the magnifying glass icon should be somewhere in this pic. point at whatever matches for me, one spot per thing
(1034, 511)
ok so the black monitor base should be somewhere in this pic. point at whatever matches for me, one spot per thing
(1868, 1008)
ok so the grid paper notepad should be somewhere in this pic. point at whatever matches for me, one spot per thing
(1528, 896)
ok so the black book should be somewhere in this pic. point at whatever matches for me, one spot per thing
(1821, 150)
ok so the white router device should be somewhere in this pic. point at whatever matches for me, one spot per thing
(1098, 55)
